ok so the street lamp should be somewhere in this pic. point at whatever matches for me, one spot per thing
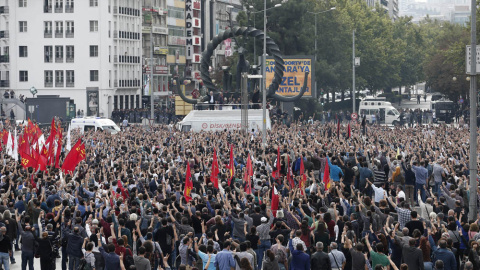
(264, 72)
(316, 13)
(254, 38)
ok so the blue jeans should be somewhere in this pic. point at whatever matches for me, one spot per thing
(422, 192)
(73, 262)
(241, 239)
(27, 257)
(262, 248)
(4, 257)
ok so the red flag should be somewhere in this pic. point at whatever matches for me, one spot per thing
(34, 185)
(291, 182)
(5, 136)
(231, 166)
(248, 174)
(74, 157)
(349, 131)
(326, 176)
(303, 177)
(59, 149)
(215, 171)
(28, 161)
(338, 129)
(42, 160)
(275, 200)
(188, 184)
(276, 173)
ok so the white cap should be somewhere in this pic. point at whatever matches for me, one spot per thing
(263, 219)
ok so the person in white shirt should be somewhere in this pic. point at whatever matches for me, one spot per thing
(379, 191)
(400, 193)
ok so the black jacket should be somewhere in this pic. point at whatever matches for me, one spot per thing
(320, 260)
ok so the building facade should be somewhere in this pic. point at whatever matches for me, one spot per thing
(89, 51)
(155, 24)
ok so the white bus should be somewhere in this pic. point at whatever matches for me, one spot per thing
(378, 110)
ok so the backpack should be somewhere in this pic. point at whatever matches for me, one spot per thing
(83, 265)
(144, 224)
(128, 259)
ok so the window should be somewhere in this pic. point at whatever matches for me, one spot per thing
(47, 27)
(23, 75)
(178, 13)
(23, 51)
(48, 52)
(58, 4)
(59, 78)
(176, 31)
(48, 78)
(70, 29)
(22, 3)
(22, 26)
(70, 51)
(70, 78)
(93, 51)
(93, 26)
(390, 112)
(58, 54)
(94, 3)
(94, 75)
(59, 29)
(69, 6)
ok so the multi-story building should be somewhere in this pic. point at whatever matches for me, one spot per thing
(176, 37)
(155, 24)
(389, 6)
(89, 51)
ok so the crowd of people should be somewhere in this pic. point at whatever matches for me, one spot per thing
(387, 199)
(162, 115)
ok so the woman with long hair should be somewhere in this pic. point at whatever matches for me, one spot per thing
(330, 225)
(473, 254)
(270, 262)
(321, 235)
(426, 251)
(245, 264)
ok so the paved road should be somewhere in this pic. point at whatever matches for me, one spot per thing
(36, 265)
(412, 103)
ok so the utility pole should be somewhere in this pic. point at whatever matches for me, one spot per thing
(353, 69)
(151, 66)
(264, 79)
(472, 211)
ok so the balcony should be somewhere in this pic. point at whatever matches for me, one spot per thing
(58, 34)
(70, 84)
(59, 84)
(69, 59)
(69, 8)
(4, 59)
(128, 59)
(47, 9)
(47, 34)
(48, 83)
(4, 83)
(4, 34)
(69, 34)
(59, 59)
(59, 9)
(127, 83)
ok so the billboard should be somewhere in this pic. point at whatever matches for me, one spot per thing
(293, 76)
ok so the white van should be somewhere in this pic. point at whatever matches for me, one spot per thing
(95, 123)
(378, 110)
(207, 120)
